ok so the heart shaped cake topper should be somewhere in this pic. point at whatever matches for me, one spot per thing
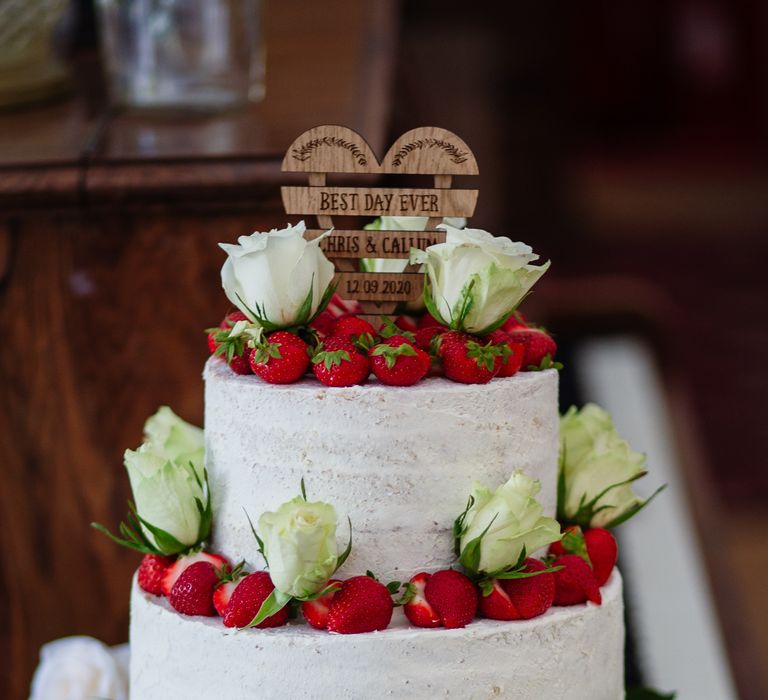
(337, 149)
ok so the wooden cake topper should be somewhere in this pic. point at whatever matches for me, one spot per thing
(337, 149)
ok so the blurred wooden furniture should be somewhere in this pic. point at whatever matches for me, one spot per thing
(108, 274)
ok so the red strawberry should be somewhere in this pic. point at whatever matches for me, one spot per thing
(338, 363)
(471, 362)
(233, 350)
(537, 345)
(516, 320)
(222, 595)
(575, 583)
(532, 596)
(512, 360)
(446, 341)
(175, 570)
(246, 600)
(316, 611)
(352, 327)
(395, 361)
(453, 597)
(498, 605)
(227, 584)
(428, 321)
(559, 548)
(417, 609)
(212, 344)
(405, 323)
(151, 572)
(362, 605)
(425, 336)
(603, 551)
(324, 323)
(241, 364)
(192, 594)
(232, 318)
(281, 359)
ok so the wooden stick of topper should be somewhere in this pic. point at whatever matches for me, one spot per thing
(337, 149)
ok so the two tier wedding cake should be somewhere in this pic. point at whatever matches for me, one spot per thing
(379, 509)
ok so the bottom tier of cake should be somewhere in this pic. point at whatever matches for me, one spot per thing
(573, 653)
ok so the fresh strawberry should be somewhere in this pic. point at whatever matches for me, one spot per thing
(246, 600)
(603, 551)
(516, 320)
(338, 363)
(337, 307)
(532, 596)
(362, 605)
(232, 318)
(447, 341)
(222, 595)
(282, 358)
(427, 320)
(228, 581)
(151, 572)
(316, 611)
(324, 323)
(575, 583)
(175, 570)
(497, 604)
(232, 346)
(472, 362)
(453, 597)
(353, 327)
(213, 345)
(425, 336)
(192, 594)
(512, 359)
(417, 609)
(395, 361)
(561, 546)
(406, 324)
(538, 345)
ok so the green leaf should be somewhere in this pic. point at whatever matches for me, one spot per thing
(486, 586)
(393, 587)
(328, 588)
(129, 543)
(166, 542)
(345, 554)
(470, 555)
(648, 694)
(408, 594)
(507, 575)
(464, 305)
(273, 604)
(634, 510)
(458, 526)
(259, 541)
(586, 511)
(429, 302)
(303, 489)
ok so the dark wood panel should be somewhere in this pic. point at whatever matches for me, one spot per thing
(102, 320)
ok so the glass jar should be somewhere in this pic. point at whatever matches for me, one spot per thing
(185, 54)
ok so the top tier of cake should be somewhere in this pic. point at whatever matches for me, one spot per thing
(399, 462)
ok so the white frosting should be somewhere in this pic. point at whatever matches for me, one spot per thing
(399, 461)
(573, 653)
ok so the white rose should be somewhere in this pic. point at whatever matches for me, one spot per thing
(400, 223)
(299, 541)
(167, 494)
(277, 279)
(81, 668)
(475, 279)
(175, 439)
(597, 468)
(505, 521)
